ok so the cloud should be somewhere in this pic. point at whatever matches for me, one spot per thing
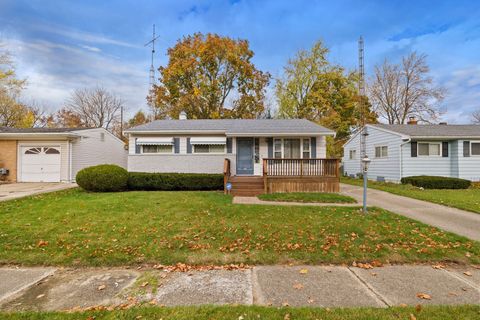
(89, 48)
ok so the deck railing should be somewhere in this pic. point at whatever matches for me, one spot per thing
(273, 167)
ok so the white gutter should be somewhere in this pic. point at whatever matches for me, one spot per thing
(30, 135)
(401, 155)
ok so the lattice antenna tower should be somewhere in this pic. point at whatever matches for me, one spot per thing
(152, 69)
(361, 92)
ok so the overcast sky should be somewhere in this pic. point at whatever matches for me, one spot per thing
(63, 45)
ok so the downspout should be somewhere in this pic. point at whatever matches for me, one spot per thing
(401, 156)
(70, 160)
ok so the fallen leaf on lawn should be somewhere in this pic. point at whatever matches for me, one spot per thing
(101, 287)
(373, 274)
(42, 243)
(467, 273)
(285, 304)
(310, 301)
(241, 318)
(40, 296)
(438, 266)
(403, 305)
(304, 271)
(153, 301)
(418, 307)
(453, 294)
(468, 254)
(412, 317)
(144, 284)
(424, 296)
(298, 286)
(287, 316)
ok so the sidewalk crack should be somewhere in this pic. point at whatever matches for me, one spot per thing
(370, 289)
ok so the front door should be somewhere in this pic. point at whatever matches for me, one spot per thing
(245, 156)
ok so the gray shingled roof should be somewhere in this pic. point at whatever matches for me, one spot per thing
(235, 126)
(39, 130)
(434, 130)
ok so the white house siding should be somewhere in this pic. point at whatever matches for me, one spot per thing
(64, 155)
(432, 166)
(180, 163)
(468, 167)
(454, 153)
(388, 168)
(91, 150)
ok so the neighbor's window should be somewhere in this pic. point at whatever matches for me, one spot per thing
(306, 148)
(209, 148)
(475, 148)
(429, 149)
(277, 148)
(157, 148)
(353, 154)
(381, 152)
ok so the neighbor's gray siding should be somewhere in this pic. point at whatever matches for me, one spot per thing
(432, 166)
(380, 168)
(90, 150)
(468, 167)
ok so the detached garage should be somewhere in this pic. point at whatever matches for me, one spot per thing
(56, 155)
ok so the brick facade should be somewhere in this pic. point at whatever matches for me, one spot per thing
(8, 158)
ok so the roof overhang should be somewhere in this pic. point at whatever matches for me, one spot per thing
(173, 132)
(38, 135)
(281, 134)
(443, 137)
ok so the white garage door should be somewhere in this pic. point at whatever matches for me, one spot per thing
(40, 164)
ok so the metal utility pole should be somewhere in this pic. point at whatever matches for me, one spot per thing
(152, 69)
(364, 160)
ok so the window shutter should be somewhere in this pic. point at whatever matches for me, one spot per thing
(137, 147)
(445, 149)
(189, 146)
(313, 147)
(413, 149)
(270, 147)
(466, 148)
(229, 145)
(176, 145)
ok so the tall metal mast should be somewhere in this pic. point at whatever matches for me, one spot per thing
(152, 69)
(361, 93)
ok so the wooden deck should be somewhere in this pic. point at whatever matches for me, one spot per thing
(287, 175)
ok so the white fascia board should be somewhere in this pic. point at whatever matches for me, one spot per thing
(173, 132)
(281, 134)
(37, 135)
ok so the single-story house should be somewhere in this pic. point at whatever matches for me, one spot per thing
(403, 150)
(203, 146)
(56, 154)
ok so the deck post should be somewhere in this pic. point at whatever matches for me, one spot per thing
(265, 186)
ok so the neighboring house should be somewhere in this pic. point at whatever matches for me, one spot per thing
(56, 154)
(398, 151)
(201, 146)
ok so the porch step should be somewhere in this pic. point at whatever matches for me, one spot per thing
(246, 186)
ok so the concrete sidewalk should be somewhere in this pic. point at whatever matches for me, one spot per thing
(454, 220)
(321, 286)
(10, 191)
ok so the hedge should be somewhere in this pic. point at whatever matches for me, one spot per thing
(434, 182)
(174, 181)
(103, 178)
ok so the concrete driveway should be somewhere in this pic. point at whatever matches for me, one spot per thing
(11, 191)
(458, 221)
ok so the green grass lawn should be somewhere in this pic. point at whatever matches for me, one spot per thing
(256, 312)
(466, 199)
(76, 228)
(307, 197)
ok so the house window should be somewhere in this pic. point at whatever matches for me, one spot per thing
(291, 148)
(353, 154)
(209, 148)
(381, 152)
(429, 149)
(475, 148)
(306, 148)
(167, 148)
(277, 148)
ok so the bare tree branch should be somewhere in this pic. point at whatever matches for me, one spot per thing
(476, 117)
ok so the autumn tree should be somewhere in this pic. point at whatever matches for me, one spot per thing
(476, 117)
(138, 119)
(91, 108)
(12, 112)
(399, 91)
(210, 76)
(312, 88)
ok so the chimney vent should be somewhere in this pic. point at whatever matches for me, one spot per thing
(442, 123)
(412, 120)
(182, 116)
